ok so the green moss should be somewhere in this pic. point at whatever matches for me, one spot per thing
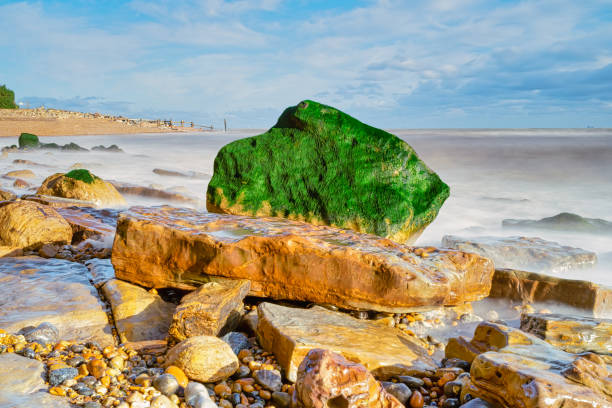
(320, 164)
(28, 140)
(7, 98)
(82, 175)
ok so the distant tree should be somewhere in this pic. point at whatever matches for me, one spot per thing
(7, 98)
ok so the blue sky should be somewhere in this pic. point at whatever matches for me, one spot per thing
(393, 64)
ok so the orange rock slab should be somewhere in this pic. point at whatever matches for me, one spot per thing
(174, 247)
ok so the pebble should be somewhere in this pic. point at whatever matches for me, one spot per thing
(117, 362)
(476, 403)
(166, 384)
(269, 379)
(398, 390)
(412, 382)
(59, 375)
(237, 341)
(179, 374)
(96, 368)
(45, 333)
(281, 399)
(416, 400)
(242, 372)
(161, 401)
(82, 389)
(451, 403)
(92, 404)
(452, 388)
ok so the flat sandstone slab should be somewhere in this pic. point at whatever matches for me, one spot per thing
(174, 247)
(290, 333)
(35, 290)
(587, 297)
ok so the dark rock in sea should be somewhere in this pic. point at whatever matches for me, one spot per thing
(112, 148)
(527, 253)
(320, 165)
(28, 140)
(563, 222)
(172, 173)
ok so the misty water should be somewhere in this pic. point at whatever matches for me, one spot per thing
(493, 175)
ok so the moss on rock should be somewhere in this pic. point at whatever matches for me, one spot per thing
(28, 140)
(323, 166)
(82, 175)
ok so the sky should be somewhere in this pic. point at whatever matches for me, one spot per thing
(391, 64)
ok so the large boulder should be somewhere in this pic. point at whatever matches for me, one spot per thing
(27, 224)
(320, 165)
(177, 247)
(527, 253)
(517, 369)
(290, 333)
(81, 184)
(28, 140)
(327, 379)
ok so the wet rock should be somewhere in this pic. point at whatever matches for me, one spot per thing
(412, 382)
(527, 287)
(20, 174)
(237, 341)
(398, 390)
(45, 333)
(57, 202)
(59, 375)
(563, 222)
(166, 384)
(101, 271)
(477, 403)
(20, 183)
(326, 379)
(36, 290)
(26, 224)
(281, 399)
(269, 379)
(139, 315)
(335, 171)
(211, 310)
(80, 184)
(521, 370)
(9, 251)
(528, 253)
(6, 195)
(290, 333)
(91, 223)
(292, 260)
(48, 251)
(157, 193)
(203, 358)
(574, 334)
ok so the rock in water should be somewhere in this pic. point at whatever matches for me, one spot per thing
(563, 222)
(322, 166)
(283, 259)
(26, 224)
(527, 253)
(80, 184)
(327, 379)
(290, 333)
(28, 140)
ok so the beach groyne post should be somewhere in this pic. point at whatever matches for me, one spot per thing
(225, 125)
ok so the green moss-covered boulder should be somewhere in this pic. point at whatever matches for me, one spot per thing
(28, 140)
(82, 174)
(320, 165)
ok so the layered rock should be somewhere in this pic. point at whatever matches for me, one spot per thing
(26, 224)
(528, 253)
(327, 379)
(283, 259)
(528, 287)
(80, 184)
(6, 195)
(35, 290)
(563, 222)
(90, 223)
(139, 315)
(320, 165)
(517, 369)
(574, 334)
(214, 309)
(290, 333)
(57, 202)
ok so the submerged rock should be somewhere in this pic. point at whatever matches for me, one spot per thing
(81, 184)
(19, 174)
(36, 290)
(214, 309)
(142, 191)
(563, 222)
(517, 369)
(327, 379)
(112, 148)
(283, 259)
(57, 202)
(528, 253)
(138, 314)
(574, 334)
(529, 287)
(320, 165)
(172, 173)
(90, 223)
(290, 333)
(26, 224)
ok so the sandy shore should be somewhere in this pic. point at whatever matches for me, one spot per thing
(53, 122)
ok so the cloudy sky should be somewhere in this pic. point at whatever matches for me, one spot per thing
(393, 64)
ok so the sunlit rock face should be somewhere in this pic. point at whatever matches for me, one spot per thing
(290, 333)
(320, 165)
(517, 369)
(527, 253)
(283, 259)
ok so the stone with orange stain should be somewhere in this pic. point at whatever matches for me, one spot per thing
(179, 374)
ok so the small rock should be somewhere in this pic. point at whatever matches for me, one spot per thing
(412, 382)
(476, 403)
(96, 367)
(237, 341)
(58, 376)
(75, 361)
(452, 388)
(161, 401)
(242, 372)
(416, 400)
(166, 384)
(82, 389)
(47, 251)
(92, 404)
(281, 399)
(43, 334)
(269, 379)
(451, 403)
(179, 374)
(398, 390)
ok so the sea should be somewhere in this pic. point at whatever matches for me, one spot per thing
(494, 174)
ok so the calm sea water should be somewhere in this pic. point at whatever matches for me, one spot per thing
(493, 175)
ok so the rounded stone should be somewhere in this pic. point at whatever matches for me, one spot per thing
(416, 400)
(161, 401)
(166, 384)
(237, 341)
(452, 388)
(281, 399)
(82, 389)
(45, 333)
(269, 379)
(58, 376)
(204, 358)
(398, 390)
